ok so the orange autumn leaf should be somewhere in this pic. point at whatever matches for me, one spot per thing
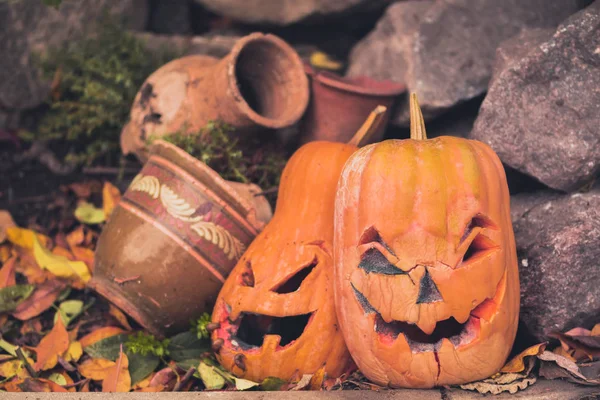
(100, 334)
(51, 346)
(118, 379)
(42, 298)
(85, 255)
(76, 237)
(29, 267)
(96, 368)
(517, 364)
(595, 330)
(31, 325)
(33, 385)
(7, 273)
(5, 252)
(61, 251)
(6, 222)
(86, 386)
(110, 198)
(119, 316)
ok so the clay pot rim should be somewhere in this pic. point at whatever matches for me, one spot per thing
(199, 170)
(303, 95)
(358, 84)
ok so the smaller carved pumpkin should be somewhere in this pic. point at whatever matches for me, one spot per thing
(426, 278)
(275, 313)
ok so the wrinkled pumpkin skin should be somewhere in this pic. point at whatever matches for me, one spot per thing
(299, 235)
(421, 204)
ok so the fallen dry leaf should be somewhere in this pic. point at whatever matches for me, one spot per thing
(595, 330)
(51, 346)
(118, 379)
(88, 214)
(119, 316)
(322, 60)
(316, 382)
(494, 388)
(579, 343)
(60, 266)
(15, 367)
(74, 352)
(76, 237)
(85, 255)
(34, 385)
(42, 298)
(7, 273)
(96, 368)
(562, 362)
(100, 334)
(110, 198)
(6, 222)
(24, 237)
(303, 382)
(517, 364)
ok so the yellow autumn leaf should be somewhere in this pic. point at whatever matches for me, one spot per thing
(110, 198)
(24, 237)
(6, 222)
(517, 364)
(118, 378)
(11, 368)
(321, 60)
(74, 352)
(59, 265)
(88, 214)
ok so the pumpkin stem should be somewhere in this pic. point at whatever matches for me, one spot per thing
(369, 127)
(417, 123)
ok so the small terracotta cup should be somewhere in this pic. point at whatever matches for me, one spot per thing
(172, 240)
(339, 105)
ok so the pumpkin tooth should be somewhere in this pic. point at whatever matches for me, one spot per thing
(271, 342)
(427, 325)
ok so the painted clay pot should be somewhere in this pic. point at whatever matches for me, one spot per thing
(339, 105)
(172, 240)
(260, 83)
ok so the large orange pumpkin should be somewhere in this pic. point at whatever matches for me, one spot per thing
(275, 313)
(426, 278)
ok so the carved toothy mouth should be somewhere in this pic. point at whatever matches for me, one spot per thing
(249, 330)
(458, 334)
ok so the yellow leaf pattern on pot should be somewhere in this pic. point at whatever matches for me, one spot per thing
(176, 206)
(146, 184)
(219, 236)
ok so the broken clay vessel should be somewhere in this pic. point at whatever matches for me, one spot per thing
(173, 239)
(260, 83)
(339, 105)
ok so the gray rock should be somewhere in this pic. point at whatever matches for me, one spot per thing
(444, 50)
(171, 17)
(285, 12)
(215, 46)
(542, 112)
(30, 26)
(558, 245)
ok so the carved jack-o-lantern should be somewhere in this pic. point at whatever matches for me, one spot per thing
(275, 313)
(426, 278)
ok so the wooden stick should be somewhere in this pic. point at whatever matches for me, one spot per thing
(369, 127)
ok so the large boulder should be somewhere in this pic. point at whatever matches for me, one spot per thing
(285, 12)
(444, 50)
(31, 27)
(558, 246)
(542, 112)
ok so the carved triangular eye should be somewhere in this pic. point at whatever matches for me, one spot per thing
(293, 283)
(373, 261)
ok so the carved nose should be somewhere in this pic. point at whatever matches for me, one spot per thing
(428, 291)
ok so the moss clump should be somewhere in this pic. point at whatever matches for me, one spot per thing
(95, 82)
(144, 344)
(251, 160)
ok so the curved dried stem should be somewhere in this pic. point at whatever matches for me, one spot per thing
(417, 123)
(369, 127)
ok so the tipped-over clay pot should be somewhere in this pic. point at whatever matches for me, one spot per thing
(339, 105)
(260, 83)
(173, 239)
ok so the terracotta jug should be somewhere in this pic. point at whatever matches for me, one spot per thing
(173, 239)
(339, 105)
(260, 83)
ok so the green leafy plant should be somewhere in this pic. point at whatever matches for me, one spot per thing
(144, 344)
(95, 81)
(250, 160)
(199, 326)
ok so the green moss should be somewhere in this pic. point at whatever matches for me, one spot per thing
(144, 344)
(199, 326)
(251, 160)
(95, 82)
